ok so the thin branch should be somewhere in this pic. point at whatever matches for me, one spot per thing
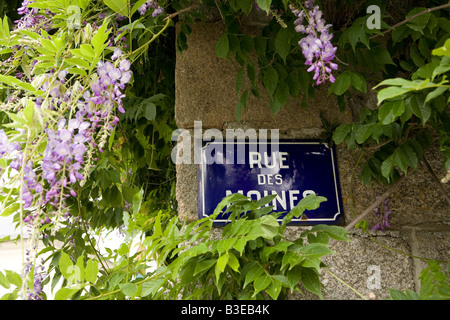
(436, 179)
(373, 206)
(427, 10)
(173, 15)
(345, 284)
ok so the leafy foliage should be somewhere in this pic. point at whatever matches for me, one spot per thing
(434, 285)
(411, 102)
(253, 259)
(129, 180)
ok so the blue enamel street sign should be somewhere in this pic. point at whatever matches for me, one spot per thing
(291, 169)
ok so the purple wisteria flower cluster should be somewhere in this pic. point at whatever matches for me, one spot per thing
(151, 4)
(383, 216)
(64, 159)
(30, 182)
(64, 155)
(38, 276)
(316, 45)
(7, 147)
(107, 89)
(31, 19)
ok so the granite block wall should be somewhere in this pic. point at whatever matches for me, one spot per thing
(205, 91)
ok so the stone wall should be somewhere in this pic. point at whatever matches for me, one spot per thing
(205, 91)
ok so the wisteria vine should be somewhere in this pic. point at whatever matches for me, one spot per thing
(83, 115)
(316, 46)
(77, 109)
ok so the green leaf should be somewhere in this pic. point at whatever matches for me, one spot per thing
(269, 226)
(387, 166)
(223, 46)
(270, 80)
(241, 104)
(420, 108)
(204, 265)
(233, 262)
(435, 93)
(335, 232)
(315, 250)
(294, 276)
(358, 81)
(282, 92)
(261, 283)
(118, 6)
(65, 293)
(341, 85)
(391, 92)
(14, 278)
(64, 265)
(4, 282)
(420, 22)
(397, 294)
(264, 4)
(123, 249)
(405, 156)
(137, 200)
(416, 57)
(99, 39)
(79, 267)
(81, 63)
(222, 262)
(10, 209)
(390, 110)
(239, 80)
(283, 42)
(444, 50)
(128, 289)
(363, 132)
(274, 289)
(311, 281)
(12, 81)
(5, 25)
(91, 271)
(252, 271)
(149, 111)
(341, 132)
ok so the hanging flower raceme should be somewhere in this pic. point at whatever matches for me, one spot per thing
(31, 19)
(316, 45)
(151, 4)
(7, 147)
(111, 80)
(383, 216)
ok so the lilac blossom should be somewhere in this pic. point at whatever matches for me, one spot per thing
(31, 19)
(316, 46)
(7, 147)
(38, 276)
(383, 216)
(107, 88)
(30, 182)
(151, 4)
(64, 155)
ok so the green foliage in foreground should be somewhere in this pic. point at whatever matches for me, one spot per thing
(252, 259)
(434, 285)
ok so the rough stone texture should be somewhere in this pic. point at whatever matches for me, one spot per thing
(363, 265)
(213, 101)
(205, 91)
